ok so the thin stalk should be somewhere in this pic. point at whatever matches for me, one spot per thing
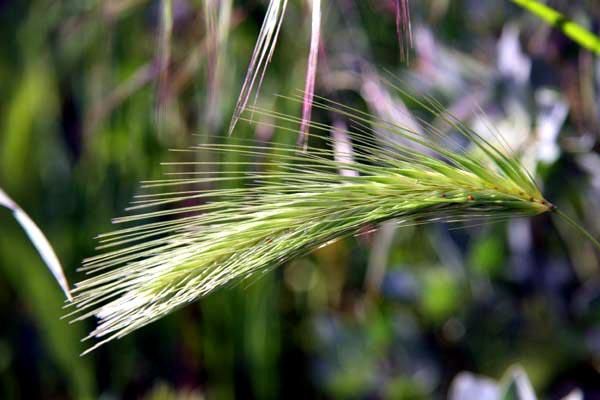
(578, 227)
(39, 241)
(311, 71)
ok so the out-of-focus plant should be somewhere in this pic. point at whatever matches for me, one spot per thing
(515, 385)
(575, 31)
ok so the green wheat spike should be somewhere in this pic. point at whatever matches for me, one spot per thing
(190, 242)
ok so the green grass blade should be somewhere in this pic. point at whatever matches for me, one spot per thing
(39, 241)
(269, 204)
(576, 32)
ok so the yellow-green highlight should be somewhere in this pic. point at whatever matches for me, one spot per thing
(576, 32)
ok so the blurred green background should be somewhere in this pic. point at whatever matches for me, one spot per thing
(85, 114)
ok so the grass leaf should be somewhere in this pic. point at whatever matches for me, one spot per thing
(39, 241)
(576, 32)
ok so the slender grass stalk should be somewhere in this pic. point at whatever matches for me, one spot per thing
(311, 70)
(571, 29)
(403, 28)
(578, 227)
(40, 242)
(194, 241)
(164, 51)
(261, 56)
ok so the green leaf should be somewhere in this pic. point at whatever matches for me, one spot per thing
(576, 32)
